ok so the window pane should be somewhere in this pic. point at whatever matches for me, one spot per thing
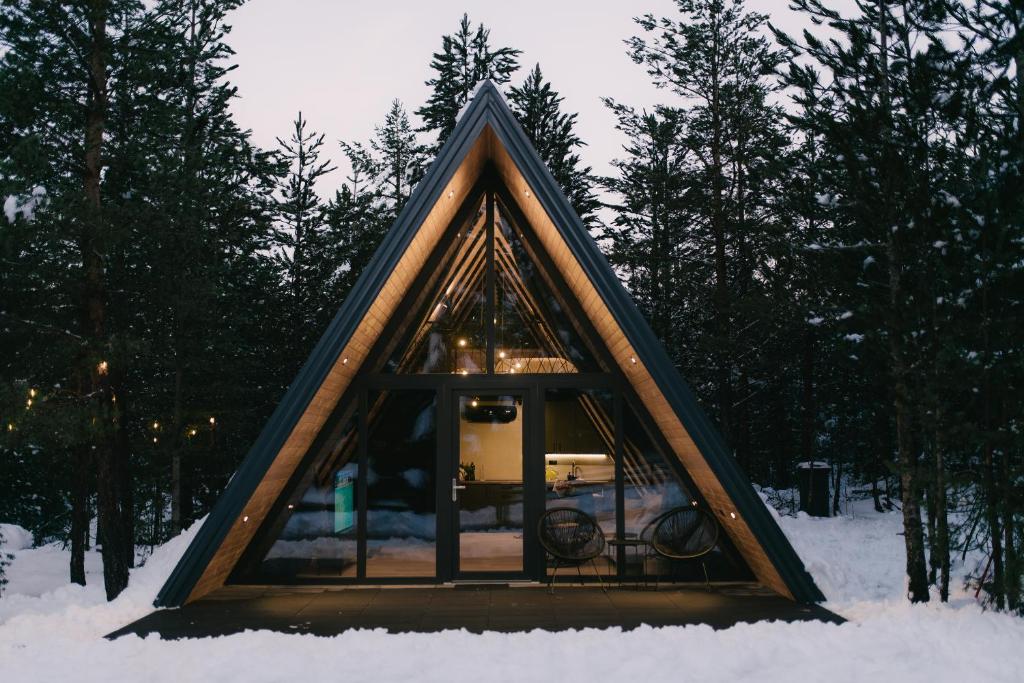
(533, 331)
(401, 499)
(450, 334)
(314, 534)
(652, 488)
(579, 444)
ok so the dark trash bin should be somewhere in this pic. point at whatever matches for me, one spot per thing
(813, 481)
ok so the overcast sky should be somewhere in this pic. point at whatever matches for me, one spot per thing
(342, 61)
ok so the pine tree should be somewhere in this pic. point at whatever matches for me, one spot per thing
(302, 248)
(538, 107)
(400, 158)
(465, 59)
(717, 60)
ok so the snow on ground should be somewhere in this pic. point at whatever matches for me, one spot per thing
(52, 631)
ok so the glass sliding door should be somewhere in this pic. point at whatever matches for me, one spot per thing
(487, 486)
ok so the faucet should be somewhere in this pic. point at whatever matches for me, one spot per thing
(574, 472)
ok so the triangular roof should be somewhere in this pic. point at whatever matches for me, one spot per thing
(486, 134)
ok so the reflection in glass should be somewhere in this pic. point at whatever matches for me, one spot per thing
(314, 534)
(401, 500)
(490, 508)
(579, 445)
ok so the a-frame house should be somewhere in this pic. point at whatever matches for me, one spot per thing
(487, 366)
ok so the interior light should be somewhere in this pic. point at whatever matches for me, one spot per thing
(518, 365)
(501, 354)
(464, 372)
(462, 342)
(578, 457)
(474, 403)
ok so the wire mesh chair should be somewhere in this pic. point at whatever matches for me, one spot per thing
(685, 533)
(572, 538)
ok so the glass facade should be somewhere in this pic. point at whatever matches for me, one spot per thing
(491, 309)
(425, 475)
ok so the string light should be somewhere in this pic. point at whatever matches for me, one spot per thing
(156, 425)
(28, 403)
(245, 519)
(501, 354)
(632, 359)
(212, 421)
(31, 393)
(344, 361)
(10, 426)
(733, 515)
(192, 432)
(464, 372)
(451, 193)
(474, 403)
(102, 368)
(462, 342)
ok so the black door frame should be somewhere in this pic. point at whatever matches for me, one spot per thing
(450, 452)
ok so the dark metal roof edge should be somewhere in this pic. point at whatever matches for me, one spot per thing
(675, 389)
(293, 404)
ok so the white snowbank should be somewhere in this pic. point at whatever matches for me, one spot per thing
(856, 560)
(40, 600)
(15, 537)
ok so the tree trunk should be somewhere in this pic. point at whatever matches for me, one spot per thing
(941, 544)
(79, 511)
(109, 482)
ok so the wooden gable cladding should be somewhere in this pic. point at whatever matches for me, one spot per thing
(345, 367)
(632, 366)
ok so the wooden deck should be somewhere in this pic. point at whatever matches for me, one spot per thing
(330, 610)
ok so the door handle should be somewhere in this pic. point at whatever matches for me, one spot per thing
(456, 488)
